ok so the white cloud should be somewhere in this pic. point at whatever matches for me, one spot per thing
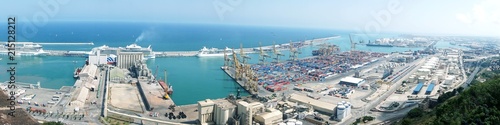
(483, 17)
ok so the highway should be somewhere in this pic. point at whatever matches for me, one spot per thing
(471, 77)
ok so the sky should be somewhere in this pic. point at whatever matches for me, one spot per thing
(446, 17)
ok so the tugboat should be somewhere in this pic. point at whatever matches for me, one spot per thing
(77, 71)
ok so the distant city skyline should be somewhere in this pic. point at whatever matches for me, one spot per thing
(446, 17)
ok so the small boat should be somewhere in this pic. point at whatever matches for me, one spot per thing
(77, 71)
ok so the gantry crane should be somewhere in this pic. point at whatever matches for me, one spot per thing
(156, 74)
(293, 52)
(262, 55)
(277, 53)
(243, 56)
(236, 67)
(226, 60)
(353, 44)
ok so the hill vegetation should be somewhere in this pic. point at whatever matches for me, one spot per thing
(478, 105)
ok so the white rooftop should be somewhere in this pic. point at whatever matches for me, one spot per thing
(351, 80)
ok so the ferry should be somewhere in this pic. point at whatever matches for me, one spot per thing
(24, 49)
(205, 52)
(148, 52)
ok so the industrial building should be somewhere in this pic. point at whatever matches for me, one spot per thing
(320, 106)
(343, 110)
(269, 117)
(215, 112)
(86, 82)
(126, 60)
(430, 87)
(351, 81)
(247, 110)
(418, 88)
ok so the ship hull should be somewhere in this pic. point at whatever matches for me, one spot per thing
(378, 45)
(212, 55)
(25, 54)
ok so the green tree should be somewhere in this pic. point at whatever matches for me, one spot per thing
(416, 112)
(53, 123)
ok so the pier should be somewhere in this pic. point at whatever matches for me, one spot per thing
(281, 47)
(59, 43)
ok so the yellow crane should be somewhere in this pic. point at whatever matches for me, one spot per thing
(262, 55)
(277, 53)
(293, 52)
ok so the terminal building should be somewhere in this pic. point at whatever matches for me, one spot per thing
(351, 81)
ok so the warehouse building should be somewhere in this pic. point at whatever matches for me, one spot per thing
(351, 81)
(320, 106)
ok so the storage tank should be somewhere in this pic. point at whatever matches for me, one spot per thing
(290, 123)
(440, 76)
(427, 67)
(421, 79)
(340, 112)
(340, 103)
(281, 123)
(449, 80)
(411, 79)
(298, 123)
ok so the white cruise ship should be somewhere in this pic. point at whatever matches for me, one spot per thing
(205, 52)
(24, 49)
(148, 52)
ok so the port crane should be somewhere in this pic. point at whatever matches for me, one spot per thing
(236, 66)
(226, 61)
(241, 71)
(243, 56)
(293, 52)
(353, 44)
(262, 55)
(156, 73)
(276, 53)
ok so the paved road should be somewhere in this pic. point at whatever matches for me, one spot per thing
(356, 113)
(471, 77)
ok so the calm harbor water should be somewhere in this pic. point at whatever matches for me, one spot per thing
(193, 78)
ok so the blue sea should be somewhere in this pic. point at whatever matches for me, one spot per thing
(193, 78)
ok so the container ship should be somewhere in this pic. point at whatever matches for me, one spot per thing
(205, 52)
(24, 49)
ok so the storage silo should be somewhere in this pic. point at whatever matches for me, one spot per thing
(421, 79)
(340, 112)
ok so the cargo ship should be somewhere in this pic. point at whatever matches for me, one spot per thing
(24, 49)
(379, 45)
(205, 52)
